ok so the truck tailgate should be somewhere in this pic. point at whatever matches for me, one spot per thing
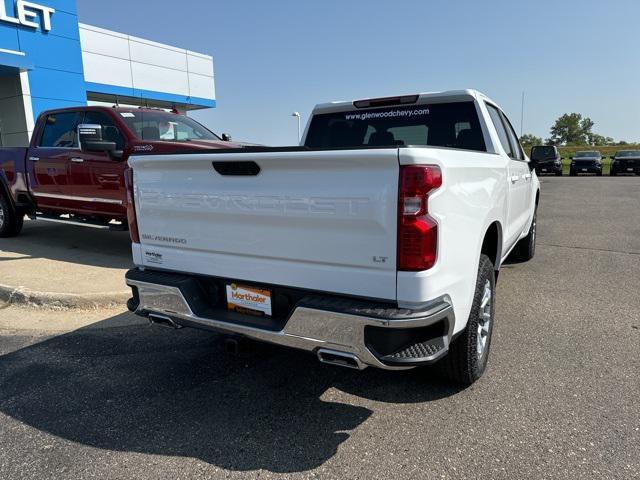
(323, 220)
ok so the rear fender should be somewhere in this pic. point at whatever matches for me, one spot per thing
(495, 242)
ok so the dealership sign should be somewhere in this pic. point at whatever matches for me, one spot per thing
(26, 14)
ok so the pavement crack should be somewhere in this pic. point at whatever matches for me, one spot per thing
(574, 247)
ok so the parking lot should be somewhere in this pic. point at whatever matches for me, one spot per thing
(100, 394)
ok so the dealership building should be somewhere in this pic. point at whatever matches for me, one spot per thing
(50, 60)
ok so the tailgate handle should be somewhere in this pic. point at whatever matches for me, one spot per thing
(240, 169)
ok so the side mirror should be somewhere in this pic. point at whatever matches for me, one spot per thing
(90, 139)
(226, 137)
(533, 164)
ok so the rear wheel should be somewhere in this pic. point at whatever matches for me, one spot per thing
(559, 173)
(10, 220)
(468, 354)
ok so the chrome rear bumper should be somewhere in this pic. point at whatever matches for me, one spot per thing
(312, 329)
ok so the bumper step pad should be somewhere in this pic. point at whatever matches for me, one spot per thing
(417, 352)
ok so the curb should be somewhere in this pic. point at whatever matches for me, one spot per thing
(62, 301)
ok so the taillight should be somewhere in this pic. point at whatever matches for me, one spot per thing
(131, 207)
(417, 231)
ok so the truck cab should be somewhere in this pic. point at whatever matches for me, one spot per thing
(74, 169)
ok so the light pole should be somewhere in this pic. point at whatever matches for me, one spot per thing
(522, 116)
(297, 114)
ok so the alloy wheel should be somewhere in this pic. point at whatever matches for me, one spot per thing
(484, 319)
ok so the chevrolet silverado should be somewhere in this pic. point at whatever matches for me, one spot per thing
(377, 242)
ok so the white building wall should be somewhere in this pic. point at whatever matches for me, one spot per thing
(16, 114)
(124, 61)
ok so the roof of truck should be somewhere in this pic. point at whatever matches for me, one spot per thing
(114, 108)
(423, 98)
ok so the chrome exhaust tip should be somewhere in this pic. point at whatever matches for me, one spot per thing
(341, 359)
(161, 320)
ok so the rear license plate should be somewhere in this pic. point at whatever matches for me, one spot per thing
(629, 169)
(584, 169)
(544, 169)
(249, 300)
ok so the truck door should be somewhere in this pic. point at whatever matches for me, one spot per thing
(97, 177)
(48, 163)
(519, 167)
(518, 178)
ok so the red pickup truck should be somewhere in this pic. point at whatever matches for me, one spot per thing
(74, 171)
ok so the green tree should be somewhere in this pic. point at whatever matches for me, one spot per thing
(595, 139)
(528, 140)
(600, 140)
(571, 128)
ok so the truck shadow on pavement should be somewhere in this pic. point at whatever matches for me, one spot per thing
(66, 243)
(150, 390)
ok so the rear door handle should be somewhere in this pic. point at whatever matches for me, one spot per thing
(77, 160)
(527, 176)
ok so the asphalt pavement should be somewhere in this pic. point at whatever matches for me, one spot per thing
(102, 395)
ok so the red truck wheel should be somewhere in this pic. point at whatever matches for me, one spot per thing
(10, 221)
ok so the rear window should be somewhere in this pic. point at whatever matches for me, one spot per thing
(452, 125)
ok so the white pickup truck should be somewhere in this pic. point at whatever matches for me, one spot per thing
(376, 243)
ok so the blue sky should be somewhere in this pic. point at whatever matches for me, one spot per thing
(274, 57)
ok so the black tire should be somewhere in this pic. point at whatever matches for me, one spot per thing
(559, 173)
(10, 221)
(613, 172)
(464, 364)
(525, 249)
(572, 173)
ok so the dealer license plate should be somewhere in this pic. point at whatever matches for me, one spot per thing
(629, 169)
(249, 300)
(584, 169)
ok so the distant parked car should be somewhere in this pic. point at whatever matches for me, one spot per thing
(625, 161)
(547, 159)
(586, 162)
